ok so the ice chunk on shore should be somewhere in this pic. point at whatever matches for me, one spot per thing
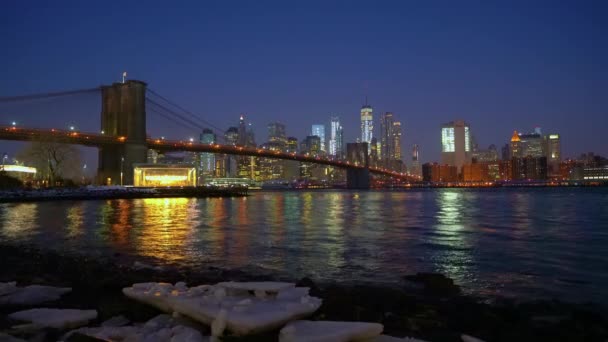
(159, 328)
(329, 331)
(8, 338)
(55, 318)
(31, 295)
(143, 266)
(386, 338)
(245, 314)
(8, 288)
(266, 286)
(467, 338)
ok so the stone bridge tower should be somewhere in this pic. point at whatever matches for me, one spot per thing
(123, 114)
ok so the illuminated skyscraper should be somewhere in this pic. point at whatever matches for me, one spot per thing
(334, 136)
(416, 170)
(227, 165)
(207, 164)
(276, 133)
(396, 140)
(242, 132)
(367, 124)
(532, 145)
(387, 142)
(319, 130)
(516, 151)
(554, 154)
(456, 144)
(292, 144)
(311, 145)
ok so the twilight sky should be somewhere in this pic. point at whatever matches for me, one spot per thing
(498, 65)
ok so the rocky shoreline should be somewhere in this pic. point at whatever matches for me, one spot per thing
(430, 307)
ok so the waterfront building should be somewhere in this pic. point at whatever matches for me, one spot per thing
(529, 168)
(319, 130)
(554, 155)
(367, 125)
(23, 173)
(476, 172)
(599, 173)
(157, 175)
(434, 172)
(455, 143)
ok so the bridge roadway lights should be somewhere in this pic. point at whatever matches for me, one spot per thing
(357, 178)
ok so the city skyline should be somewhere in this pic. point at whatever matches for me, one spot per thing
(533, 67)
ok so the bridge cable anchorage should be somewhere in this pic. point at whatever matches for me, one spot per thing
(197, 117)
(6, 99)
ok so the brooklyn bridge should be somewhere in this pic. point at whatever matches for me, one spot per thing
(122, 140)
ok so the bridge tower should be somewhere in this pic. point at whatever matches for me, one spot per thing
(358, 154)
(123, 114)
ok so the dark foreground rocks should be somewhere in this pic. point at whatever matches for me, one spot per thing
(428, 306)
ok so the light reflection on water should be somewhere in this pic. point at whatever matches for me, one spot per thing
(524, 242)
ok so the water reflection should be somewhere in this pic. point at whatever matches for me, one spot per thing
(449, 239)
(75, 217)
(115, 218)
(19, 221)
(520, 239)
(167, 224)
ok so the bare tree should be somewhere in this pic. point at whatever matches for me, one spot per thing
(53, 160)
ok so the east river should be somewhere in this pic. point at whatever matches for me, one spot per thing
(525, 243)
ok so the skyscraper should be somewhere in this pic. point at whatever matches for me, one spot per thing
(207, 164)
(242, 132)
(554, 154)
(367, 124)
(387, 143)
(516, 151)
(416, 170)
(396, 138)
(319, 130)
(455, 143)
(311, 145)
(276, 133)
(532, 145)
(340, 143)
(334, 134)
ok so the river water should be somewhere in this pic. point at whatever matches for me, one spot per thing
(526, 243)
